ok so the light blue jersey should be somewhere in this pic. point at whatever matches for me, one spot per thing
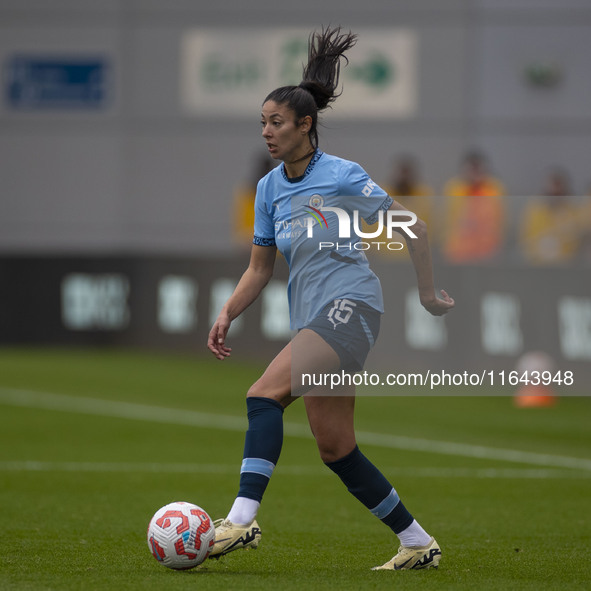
(291, 214)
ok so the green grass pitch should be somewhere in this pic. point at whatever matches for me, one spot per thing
(93, 442)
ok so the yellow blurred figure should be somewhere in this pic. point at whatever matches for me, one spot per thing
(475, 214)
(243, 206)
(551, 226)
(585, 225)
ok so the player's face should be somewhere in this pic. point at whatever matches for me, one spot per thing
(287, 139)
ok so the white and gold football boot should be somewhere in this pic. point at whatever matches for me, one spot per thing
(230, 536)
(414, 558)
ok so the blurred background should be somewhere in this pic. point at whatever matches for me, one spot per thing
(130, 147)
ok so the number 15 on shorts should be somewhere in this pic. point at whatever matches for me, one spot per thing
(341, 312)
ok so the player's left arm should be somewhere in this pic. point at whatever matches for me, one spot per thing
(355, 181)
(420, 254)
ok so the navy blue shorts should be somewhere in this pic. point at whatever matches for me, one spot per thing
(351, 328)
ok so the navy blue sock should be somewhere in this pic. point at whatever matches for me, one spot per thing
(367, 484)
(262, 446)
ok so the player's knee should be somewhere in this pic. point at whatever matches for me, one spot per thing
(331, 450)
(328, 456)
(256, 390)
(262, 389)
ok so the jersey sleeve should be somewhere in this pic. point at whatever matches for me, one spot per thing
(362, 192)
(264, 227)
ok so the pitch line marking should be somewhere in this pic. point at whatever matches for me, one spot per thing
(287, 470)
(144, 412)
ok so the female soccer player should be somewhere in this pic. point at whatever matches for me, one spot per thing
(335, 306)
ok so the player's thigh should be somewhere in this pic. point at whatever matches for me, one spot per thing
(312, 358)
(275, 382)
(307, 353)
(331, 419)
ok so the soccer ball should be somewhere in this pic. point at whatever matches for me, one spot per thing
(181, 535)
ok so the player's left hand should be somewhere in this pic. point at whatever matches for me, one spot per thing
(216, 341)
(438, 306)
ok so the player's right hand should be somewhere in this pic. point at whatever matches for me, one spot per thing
(217, 337)
(438, 305)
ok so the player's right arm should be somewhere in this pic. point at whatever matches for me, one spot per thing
(252, 282)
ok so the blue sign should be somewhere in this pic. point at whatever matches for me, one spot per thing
(33, 83)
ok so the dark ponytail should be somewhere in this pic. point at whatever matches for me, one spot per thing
(320, 77)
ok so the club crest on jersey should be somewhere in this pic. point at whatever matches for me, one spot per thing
(316, 201)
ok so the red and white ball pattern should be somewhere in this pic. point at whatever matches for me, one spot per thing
(181, 535)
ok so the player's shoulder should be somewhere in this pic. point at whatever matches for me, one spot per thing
(338, 161)
(340, 168)
(271, 175)
(267, 182)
